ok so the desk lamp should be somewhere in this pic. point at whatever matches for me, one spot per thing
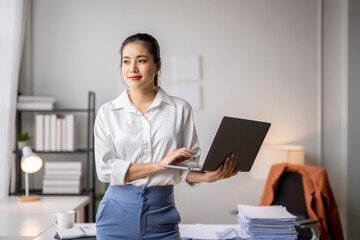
(30, 163)
(273, 154)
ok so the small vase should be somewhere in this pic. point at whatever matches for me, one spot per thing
(22, 144)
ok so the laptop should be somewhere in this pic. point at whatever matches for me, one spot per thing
(235, 135)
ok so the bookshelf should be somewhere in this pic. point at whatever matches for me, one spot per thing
(88, 151)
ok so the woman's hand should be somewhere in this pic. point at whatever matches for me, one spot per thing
(177, 156)
(140, 170)
(224, 171)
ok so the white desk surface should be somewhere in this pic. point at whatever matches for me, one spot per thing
(196, 229)
(30, 219)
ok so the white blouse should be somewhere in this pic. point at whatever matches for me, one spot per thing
(124, 136)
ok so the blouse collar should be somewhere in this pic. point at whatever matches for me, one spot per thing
(123, 101)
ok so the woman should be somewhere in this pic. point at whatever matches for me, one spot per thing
(134, 133)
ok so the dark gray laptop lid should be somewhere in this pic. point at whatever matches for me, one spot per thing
(240, 136)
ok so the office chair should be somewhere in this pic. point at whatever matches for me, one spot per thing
(305, 191)
(290, 193)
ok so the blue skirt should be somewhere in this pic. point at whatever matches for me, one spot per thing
(131, 212)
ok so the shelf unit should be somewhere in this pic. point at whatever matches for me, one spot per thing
(88, 151)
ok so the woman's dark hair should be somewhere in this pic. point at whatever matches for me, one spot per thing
(151, 45)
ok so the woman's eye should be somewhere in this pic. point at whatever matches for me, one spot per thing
(142, 60)
(125, 61)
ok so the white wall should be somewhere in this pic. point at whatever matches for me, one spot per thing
(259, 61)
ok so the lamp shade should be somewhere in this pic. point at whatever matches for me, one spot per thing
(274, 154)
(30, 162)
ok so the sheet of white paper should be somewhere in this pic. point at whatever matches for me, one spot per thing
(203, 231)
(89, 228)
(186, 67)
(265, 212)
(191, 92)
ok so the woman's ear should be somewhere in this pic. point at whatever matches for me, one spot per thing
(158, 67)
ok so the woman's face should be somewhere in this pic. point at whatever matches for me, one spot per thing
(138, 67)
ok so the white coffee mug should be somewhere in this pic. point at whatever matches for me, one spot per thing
(64, 219)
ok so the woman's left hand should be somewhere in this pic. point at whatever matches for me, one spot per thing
(224, 171)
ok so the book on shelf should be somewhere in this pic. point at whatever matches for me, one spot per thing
(52, 138)
(36, 98)
(63, 134)
(70, 170)
(62, 177)
(61, 182)
(46, 132)
(69, 125)
(58, 145)
(61, 189)
(39, 132)
(34, 106)
(63, 165)
(62, 172)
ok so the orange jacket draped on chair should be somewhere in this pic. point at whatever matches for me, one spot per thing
(319, 198)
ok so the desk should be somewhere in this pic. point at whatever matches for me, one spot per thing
(33, 218)
(204, 231)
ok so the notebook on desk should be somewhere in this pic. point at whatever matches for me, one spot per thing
(79, 231)
(242, 137)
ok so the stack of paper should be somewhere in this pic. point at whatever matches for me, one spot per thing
(266, 222)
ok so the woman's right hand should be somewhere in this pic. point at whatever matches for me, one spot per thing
(226, 170)
(177, 156)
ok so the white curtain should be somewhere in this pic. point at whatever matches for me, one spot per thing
(12, 27)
